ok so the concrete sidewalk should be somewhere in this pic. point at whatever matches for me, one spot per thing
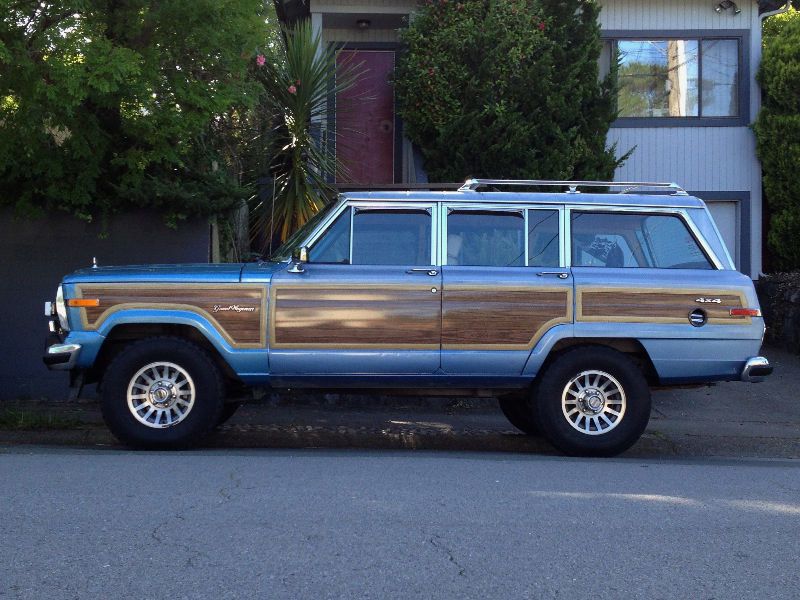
(727, 419)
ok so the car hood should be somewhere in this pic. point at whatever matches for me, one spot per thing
(181, 273)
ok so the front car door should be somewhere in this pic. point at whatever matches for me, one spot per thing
(505, 285)
(369, 299)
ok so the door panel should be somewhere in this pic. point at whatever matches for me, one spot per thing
(492, 317)
(342, 319)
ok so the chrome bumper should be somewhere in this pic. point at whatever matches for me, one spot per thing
(61, 357)
(755, 369)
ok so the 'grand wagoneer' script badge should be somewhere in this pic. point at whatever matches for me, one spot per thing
(233, 308)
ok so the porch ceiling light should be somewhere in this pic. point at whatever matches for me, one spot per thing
(725, 5)
(363, 23)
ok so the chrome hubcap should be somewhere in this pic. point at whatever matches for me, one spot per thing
(593, 402)
(161, 395)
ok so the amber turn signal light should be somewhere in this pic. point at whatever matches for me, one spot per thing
(745, 312)
(83, 302)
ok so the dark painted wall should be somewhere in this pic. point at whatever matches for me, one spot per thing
(36, 254)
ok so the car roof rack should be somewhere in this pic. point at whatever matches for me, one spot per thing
(472, 185)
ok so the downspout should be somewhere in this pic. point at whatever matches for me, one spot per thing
(778, 11)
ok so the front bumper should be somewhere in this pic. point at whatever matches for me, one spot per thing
(756, 369)
(61, 357)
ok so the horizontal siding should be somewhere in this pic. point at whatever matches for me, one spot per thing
(698, 158)
(673, 14)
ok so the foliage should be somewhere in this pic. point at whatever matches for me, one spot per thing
(105, 105)
(774, 25)
(297, 85)
(507, 89)
(778, 141)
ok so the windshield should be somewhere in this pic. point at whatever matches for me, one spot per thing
(284, 252)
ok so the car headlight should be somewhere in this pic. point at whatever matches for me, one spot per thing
(61, 309)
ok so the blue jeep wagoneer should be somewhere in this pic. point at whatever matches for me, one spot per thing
(566, 305)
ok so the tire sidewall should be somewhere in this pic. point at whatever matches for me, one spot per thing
(207, 403)
(548, 402)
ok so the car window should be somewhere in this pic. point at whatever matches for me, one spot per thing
(672, 245)
(629, 240)
(486, 238)
(543, 238)
(334, 245)
(391, 237)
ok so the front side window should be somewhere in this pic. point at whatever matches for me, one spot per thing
(669, 78)
(631, 240)
(391, 237)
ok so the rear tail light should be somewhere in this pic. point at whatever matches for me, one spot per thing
(745, 312)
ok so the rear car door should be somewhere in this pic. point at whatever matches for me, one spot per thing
(505, 286)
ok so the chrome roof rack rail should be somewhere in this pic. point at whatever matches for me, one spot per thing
(471, 185)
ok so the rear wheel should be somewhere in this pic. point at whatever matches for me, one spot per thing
(592, 401)
(228, 410)
(162, 393)
(518, 412)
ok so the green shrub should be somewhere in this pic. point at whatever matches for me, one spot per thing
(105, 105)
(507, 89)
(778, 141)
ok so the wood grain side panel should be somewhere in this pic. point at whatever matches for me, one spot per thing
(491, 318)
(238, 311)
(656, 306)
(345, 318)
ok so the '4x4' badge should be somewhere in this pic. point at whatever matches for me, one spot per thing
(709, 300)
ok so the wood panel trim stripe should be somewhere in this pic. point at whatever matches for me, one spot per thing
(273, 305)
(540, 331)
(583, 302)
(97, 289)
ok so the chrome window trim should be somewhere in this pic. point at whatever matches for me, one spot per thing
(679, 212)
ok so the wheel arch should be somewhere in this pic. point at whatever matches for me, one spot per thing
(631, 347)
(122, 334)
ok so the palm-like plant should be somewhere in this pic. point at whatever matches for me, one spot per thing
(298, 86)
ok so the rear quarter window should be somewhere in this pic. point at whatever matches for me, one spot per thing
(634, 240)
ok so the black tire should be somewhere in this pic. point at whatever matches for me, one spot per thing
(622, 432)
(518, 412)
(206, 386)
(228, 410)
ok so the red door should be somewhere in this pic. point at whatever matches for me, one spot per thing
(365, 120)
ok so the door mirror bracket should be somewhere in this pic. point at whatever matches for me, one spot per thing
(299, 257)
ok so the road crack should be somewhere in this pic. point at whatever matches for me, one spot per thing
(437, 542)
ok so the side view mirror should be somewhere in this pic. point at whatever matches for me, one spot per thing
(299, 256)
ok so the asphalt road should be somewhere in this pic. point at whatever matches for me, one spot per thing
(380, 524)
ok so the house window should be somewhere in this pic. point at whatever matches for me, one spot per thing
(687, 78)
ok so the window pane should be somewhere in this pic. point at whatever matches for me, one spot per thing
(334, 245)
(486, 238)
(391, 237)
(720, 78)
(543, 238)
(658, 78)
(619, 240)
(672, 245)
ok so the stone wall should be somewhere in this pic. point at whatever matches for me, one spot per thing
(779, 295)
(36, 254)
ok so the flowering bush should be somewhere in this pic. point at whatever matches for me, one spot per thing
(507, 89)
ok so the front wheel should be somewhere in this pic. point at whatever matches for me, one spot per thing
(593, 401)
(162, 393)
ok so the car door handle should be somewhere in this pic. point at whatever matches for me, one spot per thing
(431, 272)
(559, 274)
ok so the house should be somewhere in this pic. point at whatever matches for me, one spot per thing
(704, 54)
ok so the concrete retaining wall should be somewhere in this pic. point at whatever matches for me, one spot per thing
(779, 296)
(36, 254)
